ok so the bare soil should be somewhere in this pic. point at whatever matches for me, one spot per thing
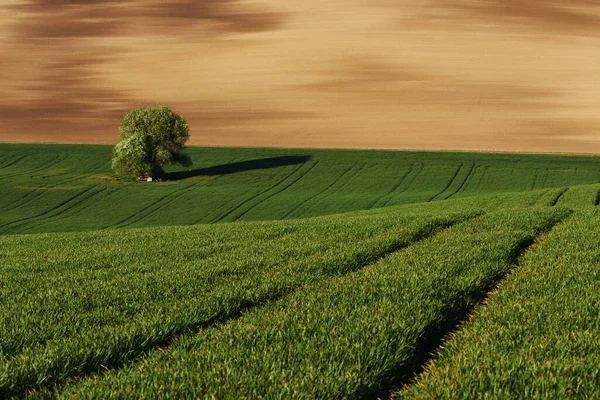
(500, 75)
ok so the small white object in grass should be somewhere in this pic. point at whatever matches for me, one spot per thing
(149, 179)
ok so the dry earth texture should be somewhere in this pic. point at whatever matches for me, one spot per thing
(454, 74)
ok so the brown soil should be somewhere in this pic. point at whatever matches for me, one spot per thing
(507, 75)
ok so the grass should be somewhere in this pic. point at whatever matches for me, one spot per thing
(330, 274)
(537, 335)
(77, 303)
(343, 337)
(58, 188)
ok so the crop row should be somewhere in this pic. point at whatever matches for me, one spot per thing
(73, 304)
(537, 336)
(349, 336)
(57, 188)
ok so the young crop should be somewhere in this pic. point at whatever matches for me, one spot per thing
(537, 336)
(77, 304)
(402, 250)
(58, 188)
(348, 336)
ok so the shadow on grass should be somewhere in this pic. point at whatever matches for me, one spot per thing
(232, 168)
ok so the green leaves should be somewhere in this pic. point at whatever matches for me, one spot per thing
(150, 138)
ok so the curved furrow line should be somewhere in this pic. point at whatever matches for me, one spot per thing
(538, 198)
(386, 197)
(99, 166)
(449, 183)
(40, 191)
(276, 192)
(483, 169)
(463, 183)
(321, 191)
(6, 159)
(157, 205)
(465, 306)
(545, 178)
(49, 210)
(140, 340)
(70, 202)
(217, 214)
(535, 179)
(340, 184)
(70, 212)
(12, 160)
(410, 180)
(57, 159)
(27, 171)
(558, 196)
(27, 198)
(251, 198)
(59, 213)
(152, 207)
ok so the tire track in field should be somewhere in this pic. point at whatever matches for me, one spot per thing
(255, 196)
(153, 207)
(462, 310)
(463, 183)
(209, 219)
(56, 160)
(540, 179)
(24, 200)
(535, 178)
(67, 204)
(386, 197)
(11, 160)
(6, 159)
(449, 183)
(276, 192)
(26, 171)
(40, 190)
(237, 206)
(86, 203)
(340, 184)
(476, 186)
(546, 173)
(39, 220)
(537, 199)
(37, 192)
(560, 194)
(129, 353)
(156, 205)
(410, 180)
(320, 192)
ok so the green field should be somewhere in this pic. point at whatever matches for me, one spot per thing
(279, 273)
(57, 188)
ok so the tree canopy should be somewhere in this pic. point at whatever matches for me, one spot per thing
(150, 138)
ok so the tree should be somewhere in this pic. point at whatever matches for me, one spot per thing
(150, 138)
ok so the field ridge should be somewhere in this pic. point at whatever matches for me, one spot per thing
(22, 375)
(429, 350)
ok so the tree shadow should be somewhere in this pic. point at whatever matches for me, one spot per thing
(232, 168)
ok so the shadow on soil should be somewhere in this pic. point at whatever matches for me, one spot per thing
(232, 168)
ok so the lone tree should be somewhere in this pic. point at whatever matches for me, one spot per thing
(150, 138)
